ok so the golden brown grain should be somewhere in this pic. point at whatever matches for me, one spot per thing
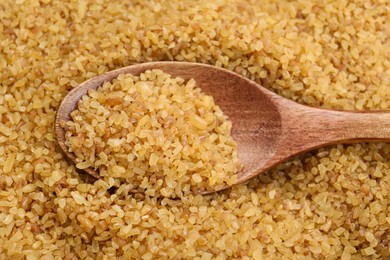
(331, 203)
(160, 134)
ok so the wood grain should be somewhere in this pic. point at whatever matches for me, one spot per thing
(269, 129)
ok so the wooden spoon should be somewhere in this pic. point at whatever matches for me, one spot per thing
(269, 129)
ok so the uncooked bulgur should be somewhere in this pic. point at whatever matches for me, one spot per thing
(332, 203)
(160, 134)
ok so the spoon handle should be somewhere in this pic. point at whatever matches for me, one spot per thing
(306, 128)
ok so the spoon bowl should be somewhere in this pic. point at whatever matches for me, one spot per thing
(268, 128)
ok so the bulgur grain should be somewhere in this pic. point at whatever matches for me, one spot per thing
(156, 132)
(332, 54)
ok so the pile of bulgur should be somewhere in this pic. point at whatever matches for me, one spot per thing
(331, 203)
(160, 134)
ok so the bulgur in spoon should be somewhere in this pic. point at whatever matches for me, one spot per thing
(268, 128)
